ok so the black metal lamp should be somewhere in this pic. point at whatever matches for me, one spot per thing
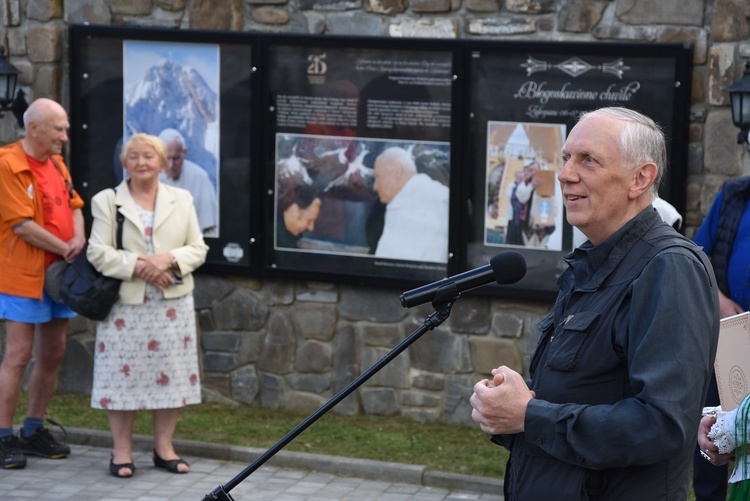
(739, 95)
(10, 100)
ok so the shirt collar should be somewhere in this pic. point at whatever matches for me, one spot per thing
(592, 263)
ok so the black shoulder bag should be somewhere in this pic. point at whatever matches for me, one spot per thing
(85, 290)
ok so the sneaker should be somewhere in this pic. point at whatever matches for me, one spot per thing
(10, 456)
(43, 444)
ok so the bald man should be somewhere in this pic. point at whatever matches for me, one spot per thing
(40, 222)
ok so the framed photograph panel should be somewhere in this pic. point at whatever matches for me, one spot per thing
(171, 90)
(522, 101)
(194, 92)
(524, 202)
(361, 159)
(359, 148)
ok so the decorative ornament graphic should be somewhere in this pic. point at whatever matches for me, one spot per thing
(737, 383)
(575, 67)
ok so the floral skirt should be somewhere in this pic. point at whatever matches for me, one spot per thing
(146, 355)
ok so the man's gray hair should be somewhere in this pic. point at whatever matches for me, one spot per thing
(641, 141)
(169, 135)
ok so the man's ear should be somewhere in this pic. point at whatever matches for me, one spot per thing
(643, 177)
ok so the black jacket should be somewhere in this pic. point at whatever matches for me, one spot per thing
(620, 372)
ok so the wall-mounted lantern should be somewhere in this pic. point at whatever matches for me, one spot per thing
(10, 99)
(739, 95)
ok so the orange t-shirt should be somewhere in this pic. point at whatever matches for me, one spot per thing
(56, 194)
(22, 264)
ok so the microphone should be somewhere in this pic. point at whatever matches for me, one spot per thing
(505, 268)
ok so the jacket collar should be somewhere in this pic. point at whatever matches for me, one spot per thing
(16, 150)
(165, 204)
(593, 264)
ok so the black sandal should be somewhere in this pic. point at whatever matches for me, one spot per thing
(172, 465)
(114, 469)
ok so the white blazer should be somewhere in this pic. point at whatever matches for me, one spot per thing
(175, 230)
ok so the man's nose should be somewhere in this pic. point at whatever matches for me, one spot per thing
(567, 173)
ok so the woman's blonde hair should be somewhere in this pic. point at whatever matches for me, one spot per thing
(153, 141)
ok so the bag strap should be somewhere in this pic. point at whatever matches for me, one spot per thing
(120, 220)
(68, 182)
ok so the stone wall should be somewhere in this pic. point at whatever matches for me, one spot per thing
(295, 344)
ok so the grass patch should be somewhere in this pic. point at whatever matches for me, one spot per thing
(441, 447)
(438, 446)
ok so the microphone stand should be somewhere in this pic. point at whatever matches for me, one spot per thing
(443, 302)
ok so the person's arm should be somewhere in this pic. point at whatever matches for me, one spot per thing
(204, 197)
(18, 209)
(180, 260)
(727, 307)
(102, 250)
(75, 244)
(35, 235)
(509, 190)
(155, 269)
(667, 341)
(716, 437)
(524, 191)
(500, 405)
(213, 209)
(193, 253)
(705, 237)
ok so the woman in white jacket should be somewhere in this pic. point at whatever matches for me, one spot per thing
(146, 353)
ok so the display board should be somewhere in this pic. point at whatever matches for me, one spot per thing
(125, 81)
(368, 160)
(359, 163)
(522, 101)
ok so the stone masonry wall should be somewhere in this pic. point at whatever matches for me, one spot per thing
(295, 344)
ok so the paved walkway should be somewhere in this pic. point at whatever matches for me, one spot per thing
(288, 476)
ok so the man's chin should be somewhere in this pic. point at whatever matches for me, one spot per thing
(570, 217)
(576, 222)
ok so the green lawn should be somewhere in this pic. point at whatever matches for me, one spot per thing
(438, 446)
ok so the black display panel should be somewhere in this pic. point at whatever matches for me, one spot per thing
(523, 99)
(125, 81)
(276, 122)
(345, 118)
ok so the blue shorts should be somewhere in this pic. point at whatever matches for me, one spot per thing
(32, 311)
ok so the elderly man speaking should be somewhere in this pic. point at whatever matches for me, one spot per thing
(622, 367)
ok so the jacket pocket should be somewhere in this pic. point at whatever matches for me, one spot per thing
(545, 326)
(567, 343)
